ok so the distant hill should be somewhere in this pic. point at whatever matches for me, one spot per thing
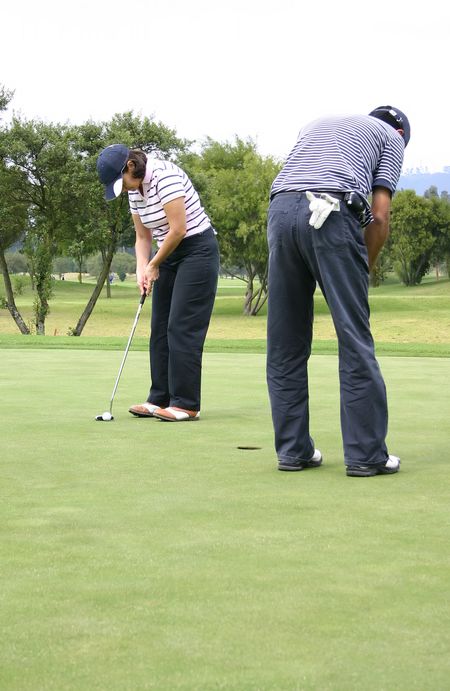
(420, 182)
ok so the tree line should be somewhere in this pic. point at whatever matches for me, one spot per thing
(52, 203)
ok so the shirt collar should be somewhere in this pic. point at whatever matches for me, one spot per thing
(149, 171)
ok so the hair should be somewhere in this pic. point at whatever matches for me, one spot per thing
(139, 159)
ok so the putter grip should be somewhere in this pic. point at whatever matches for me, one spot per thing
(142, 300)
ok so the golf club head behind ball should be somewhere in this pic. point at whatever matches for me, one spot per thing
(104, 417)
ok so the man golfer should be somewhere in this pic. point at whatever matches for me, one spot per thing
(322, 229)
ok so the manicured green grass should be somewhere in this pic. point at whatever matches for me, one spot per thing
(138, 554)
(142, 555)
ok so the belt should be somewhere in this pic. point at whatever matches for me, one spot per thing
(339, 195)
(352, 199)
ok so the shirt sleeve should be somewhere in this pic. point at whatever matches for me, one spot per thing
(389, 168)
(169, 186)
(133, 205)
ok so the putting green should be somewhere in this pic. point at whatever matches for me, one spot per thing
(138, 554)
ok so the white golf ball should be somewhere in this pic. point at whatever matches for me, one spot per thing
(107, 416)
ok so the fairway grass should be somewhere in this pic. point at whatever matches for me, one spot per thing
(139, 554)
(417, 316)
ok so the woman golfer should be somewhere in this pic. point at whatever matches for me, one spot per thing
(182, 273)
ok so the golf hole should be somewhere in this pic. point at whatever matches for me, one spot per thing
(249, 448)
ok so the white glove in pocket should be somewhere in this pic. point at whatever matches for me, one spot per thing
(321, 207)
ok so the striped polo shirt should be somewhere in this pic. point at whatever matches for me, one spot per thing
(343, 154)
(163, 182)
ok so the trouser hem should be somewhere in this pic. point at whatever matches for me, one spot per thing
(371, 464)
(294, 460)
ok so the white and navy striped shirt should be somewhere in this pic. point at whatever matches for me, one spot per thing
(343, 154)
(164, 182)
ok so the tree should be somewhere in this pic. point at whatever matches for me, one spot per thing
(43, 160)
(412, 239)
(440, 226)
(13, 217)
(77, 250)
(234, 182)
(5, 97)
(108, 225)
(94, 264)
(123, 263)
(382, 266)
(56, 180)
(63, 265)
(17, 264)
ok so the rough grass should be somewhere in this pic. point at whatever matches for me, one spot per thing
(138, 554)
(212, 345)
(418, 315)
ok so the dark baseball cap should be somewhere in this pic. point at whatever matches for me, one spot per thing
(110, 165)
(395, 118)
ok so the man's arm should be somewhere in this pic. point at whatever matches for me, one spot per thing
(376, 233)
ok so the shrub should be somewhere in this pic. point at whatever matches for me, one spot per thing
(123, 263)
(19, 283)
(64, 265)
(16, 262)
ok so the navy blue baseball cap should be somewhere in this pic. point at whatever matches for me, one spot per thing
(110, 166)
(395, 118)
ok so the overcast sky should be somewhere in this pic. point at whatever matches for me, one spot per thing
(217, 68)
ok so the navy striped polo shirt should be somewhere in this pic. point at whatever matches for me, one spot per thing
(343, 154)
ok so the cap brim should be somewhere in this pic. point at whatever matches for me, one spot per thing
(113, 190)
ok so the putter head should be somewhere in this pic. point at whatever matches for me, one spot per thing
(104, 417)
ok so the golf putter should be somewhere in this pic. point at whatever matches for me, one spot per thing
(107, 416)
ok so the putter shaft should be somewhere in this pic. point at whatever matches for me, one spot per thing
(136, 319)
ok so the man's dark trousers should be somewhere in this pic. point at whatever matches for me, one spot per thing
(336, 257)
